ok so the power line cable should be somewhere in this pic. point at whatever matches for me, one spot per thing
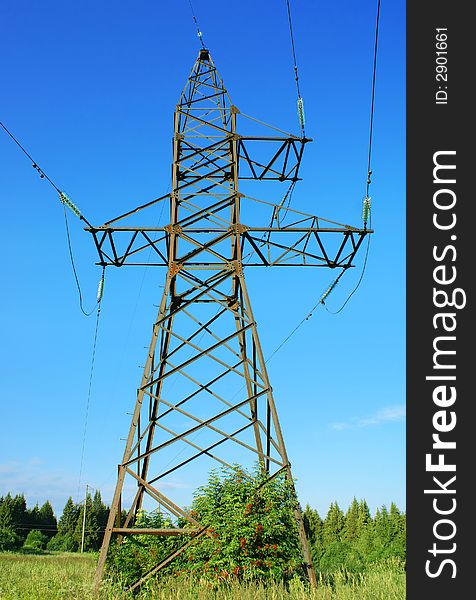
(366, 211)
(367, 207)
(73, 266)
(300, 103)
(88, 399)
(40, 171)
(199, 33)
(66, 203)
(358, 283)
(306, 318)
(372, 102)
(296, 75)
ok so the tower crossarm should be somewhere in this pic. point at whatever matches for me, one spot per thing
(332, 246)
(282, 165)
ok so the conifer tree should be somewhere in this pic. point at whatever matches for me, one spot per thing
(313, 525)
(101, 512)
(365, 518)
(335, 549)
(333, 524)
(65, 540)
(382, 533)
(398, 532)
(352, 524)
(6, 512)
(47, 520)
(9, 538)
(20, 513)
(69, 518)
(34, 519)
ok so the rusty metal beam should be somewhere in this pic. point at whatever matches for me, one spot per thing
(149, 531)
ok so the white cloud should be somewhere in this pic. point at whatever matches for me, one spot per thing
(385, 415)
(39, 483)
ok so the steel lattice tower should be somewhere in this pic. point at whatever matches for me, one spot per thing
(205, 395)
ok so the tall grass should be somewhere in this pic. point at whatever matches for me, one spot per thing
(69, 576)
(43, 577)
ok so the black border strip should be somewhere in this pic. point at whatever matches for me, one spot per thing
(440, 131)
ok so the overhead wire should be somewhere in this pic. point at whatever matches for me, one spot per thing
(300, 103)
(40, 171)
(288, 337)
(367, 189)
(125, 343)
(372, 102)
(73, 266)
(287, 196)
(300, 109)
(323, 297)
(88, 398)
(367, 212)
(35, 526)
(306, 318)
(301, 118)
(336, 312)
(199, 32)
(66, 202)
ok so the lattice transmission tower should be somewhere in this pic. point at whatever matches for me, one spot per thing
(205, 395)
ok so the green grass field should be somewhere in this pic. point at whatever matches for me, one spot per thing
(69, 576)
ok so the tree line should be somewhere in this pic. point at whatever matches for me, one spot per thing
(37, 529)
(252, 535)
(352, 539)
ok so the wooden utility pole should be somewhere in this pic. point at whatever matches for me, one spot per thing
(84, 519)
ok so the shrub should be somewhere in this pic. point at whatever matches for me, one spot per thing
(251, 533)
(9, 540)
(35, 540)
(62, 542)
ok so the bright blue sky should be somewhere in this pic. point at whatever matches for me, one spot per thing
(89, 88)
